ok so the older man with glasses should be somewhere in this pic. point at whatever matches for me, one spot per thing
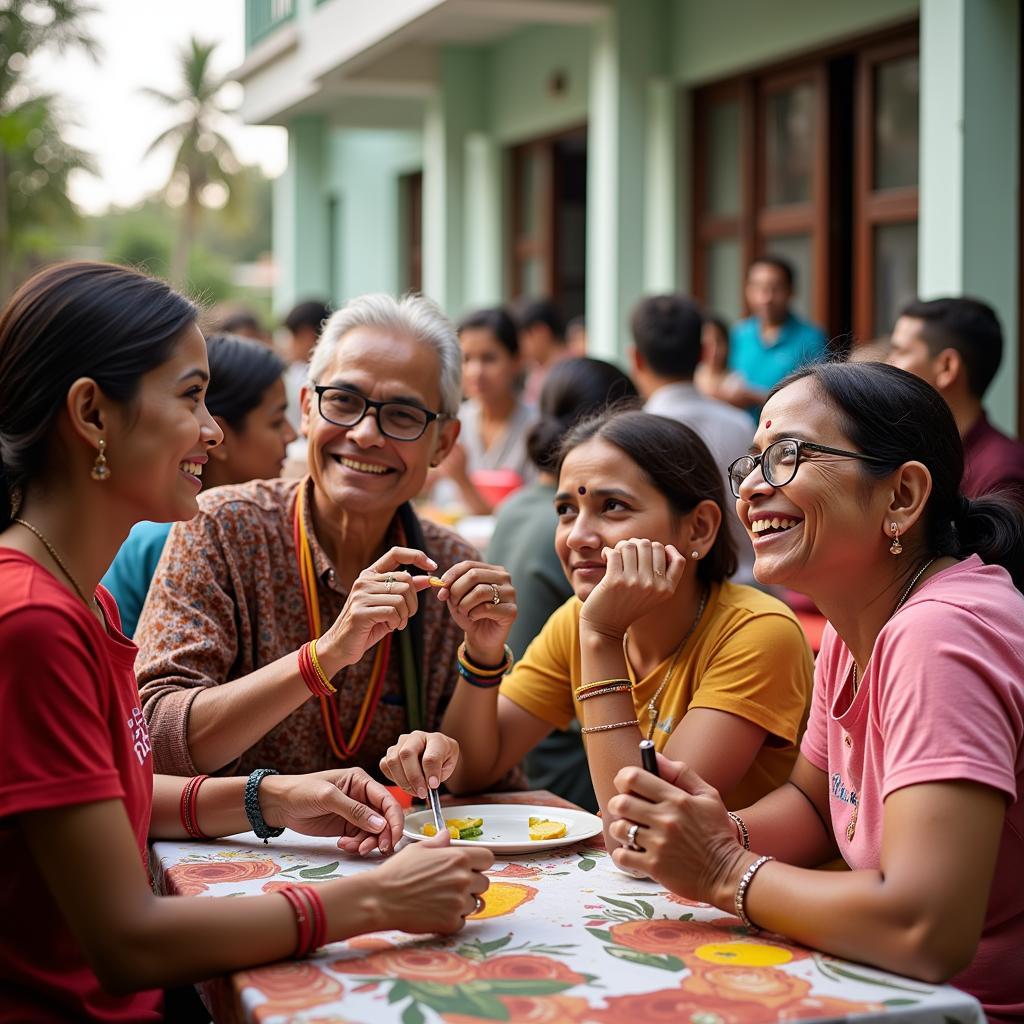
(293, 623)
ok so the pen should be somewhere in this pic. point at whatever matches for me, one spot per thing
(648, 758)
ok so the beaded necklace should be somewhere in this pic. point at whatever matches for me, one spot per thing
(343, 750)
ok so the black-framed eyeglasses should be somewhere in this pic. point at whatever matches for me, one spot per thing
(401, 421)
(780, 461)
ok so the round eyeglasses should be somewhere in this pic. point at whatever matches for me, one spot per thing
(401, 421)
(780, 461)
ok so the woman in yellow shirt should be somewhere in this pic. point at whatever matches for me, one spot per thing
(716, 674)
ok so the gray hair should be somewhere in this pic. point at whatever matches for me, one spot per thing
(411, 316)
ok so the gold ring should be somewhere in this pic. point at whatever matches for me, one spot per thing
(388, 584)
(479, 905)
(659, 572)
(496, 599)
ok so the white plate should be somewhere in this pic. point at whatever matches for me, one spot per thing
(506, 826)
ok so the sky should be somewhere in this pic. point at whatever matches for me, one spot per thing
(141, 40)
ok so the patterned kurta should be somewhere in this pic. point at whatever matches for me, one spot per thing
(226, 600)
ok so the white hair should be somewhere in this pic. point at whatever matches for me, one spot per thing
(411, 316)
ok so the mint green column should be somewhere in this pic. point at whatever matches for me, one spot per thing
(629, 47)
(455, 114)
(970, 174)
(301, 234)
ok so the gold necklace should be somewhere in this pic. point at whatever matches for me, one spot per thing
(652, 706)
(852, 827)
(60, 562)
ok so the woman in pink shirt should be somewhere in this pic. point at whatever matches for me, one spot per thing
(912, 766)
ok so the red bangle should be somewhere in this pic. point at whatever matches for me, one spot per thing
(187, 808)
(302, 921)
(320, 915)
(309, 674)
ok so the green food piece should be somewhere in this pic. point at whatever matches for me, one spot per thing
(471, 833)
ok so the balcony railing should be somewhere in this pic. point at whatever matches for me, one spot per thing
(263, 16)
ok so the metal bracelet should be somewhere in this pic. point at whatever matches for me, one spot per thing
(252, 805)
(600, 693)
(744, 834)
(741, 891)
(613, 725)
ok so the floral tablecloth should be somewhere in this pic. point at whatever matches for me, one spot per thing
(564, 938)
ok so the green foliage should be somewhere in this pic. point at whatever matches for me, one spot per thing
(203, 156)
(35, 159)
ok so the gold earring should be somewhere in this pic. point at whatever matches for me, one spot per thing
(896, 548)
(695, 555)
(100, 469)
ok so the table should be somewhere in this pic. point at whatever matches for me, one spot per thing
(564, 938)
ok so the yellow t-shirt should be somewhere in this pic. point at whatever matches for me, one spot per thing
(748, 656)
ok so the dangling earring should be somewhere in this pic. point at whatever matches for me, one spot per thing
(100, 469)
(695, 555)
(896, 548)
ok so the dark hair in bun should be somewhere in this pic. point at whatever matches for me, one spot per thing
(573, 390)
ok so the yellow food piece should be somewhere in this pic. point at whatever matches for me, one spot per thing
(430, 830)
(435, 581)
(464, 823)
(544, 828)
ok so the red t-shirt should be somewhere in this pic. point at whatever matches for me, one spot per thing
(71, 732)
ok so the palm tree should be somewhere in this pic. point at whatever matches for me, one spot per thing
(34, 159)
(204, 156)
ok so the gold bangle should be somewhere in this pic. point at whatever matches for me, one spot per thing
(584, 687)
(582, 696)
(614, 725)
(319, 668)
(485, 673)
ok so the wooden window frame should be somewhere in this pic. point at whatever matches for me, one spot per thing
(543, 244)
(755, 225)
(411, 206)
(873, 208)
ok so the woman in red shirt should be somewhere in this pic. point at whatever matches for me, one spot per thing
(103, 424)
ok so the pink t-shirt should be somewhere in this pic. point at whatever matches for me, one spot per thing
(942, 698)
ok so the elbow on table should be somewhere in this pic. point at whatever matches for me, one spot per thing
(937, 951)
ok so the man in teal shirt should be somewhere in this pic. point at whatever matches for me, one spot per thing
(773, 341)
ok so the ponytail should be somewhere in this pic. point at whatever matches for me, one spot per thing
(992, 527)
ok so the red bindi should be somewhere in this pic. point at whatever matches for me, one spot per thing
(582, 490)
(768, 423)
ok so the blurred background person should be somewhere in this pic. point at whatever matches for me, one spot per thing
(667, 344)
(543, 342)
(494, 417)
(713, 367)
(303, 324)
(773, 341)
(874, 351)
(576, 336)
(237, 320)
(524, 542)
(246, 397)
(956, 344)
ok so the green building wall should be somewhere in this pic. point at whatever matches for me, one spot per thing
(338, 219)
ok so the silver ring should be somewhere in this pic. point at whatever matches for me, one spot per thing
(659, 572)
(388, 584)
(479, 905)
(496, 599)
(631, 838)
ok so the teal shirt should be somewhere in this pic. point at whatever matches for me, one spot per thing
(132, 569)
(762, 365)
